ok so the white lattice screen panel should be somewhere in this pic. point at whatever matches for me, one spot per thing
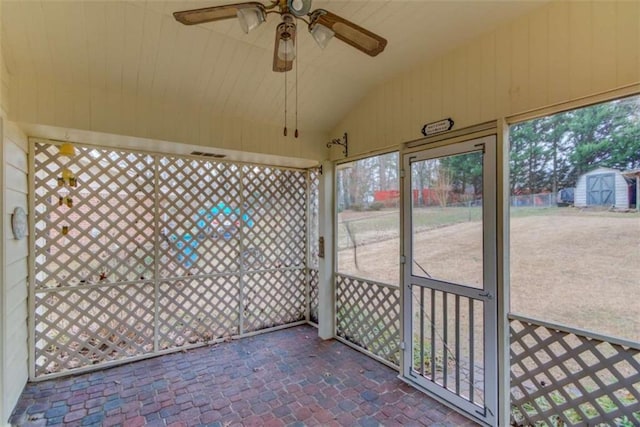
(276, 237)
(101, 230)
(314, 235)
(314, 220)
(368, 315)
(314, 282)
(228, 243)
(564, 376)
(273, 298)
(200, 217)
(85, 326)
(198, 310)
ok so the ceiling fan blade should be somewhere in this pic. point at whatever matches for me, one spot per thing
(215, 13)
(350, 33)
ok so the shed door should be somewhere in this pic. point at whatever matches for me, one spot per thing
(601, 189)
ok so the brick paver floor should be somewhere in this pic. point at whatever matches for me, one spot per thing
(284, 378)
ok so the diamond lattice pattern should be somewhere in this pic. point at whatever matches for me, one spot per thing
(314, 283)
(276, 235)
(101, 230)
(314, 236)
(81, 327)
(136, 253)
(368, 315)
(559, 376)
(314, 220)
(198, 310)
(200, 217)
(274, 298)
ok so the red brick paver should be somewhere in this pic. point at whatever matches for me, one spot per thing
(284, 378)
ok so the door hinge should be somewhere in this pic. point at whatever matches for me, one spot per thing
(403, 259)
(402, 173)
(402, 345)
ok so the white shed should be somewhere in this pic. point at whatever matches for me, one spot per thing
(602, 187)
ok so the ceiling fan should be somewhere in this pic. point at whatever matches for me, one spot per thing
(322, 24)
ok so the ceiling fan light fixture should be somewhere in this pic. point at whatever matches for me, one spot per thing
(321, 34)
(250, 18)
(286, 39)
(286, 49)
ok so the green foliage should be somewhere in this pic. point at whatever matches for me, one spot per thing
(625, 422)
(551, 152)
(465, 169)
(605, 403)
(357, 207)
(376, 206)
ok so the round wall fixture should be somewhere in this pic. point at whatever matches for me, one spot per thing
(19, 223)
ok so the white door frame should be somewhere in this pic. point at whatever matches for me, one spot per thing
(488, 144)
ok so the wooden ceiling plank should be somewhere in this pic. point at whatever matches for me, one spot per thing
(95, 37)
(188, 61)
(210, 59)
(149, 51)
(134, 21)
(116, 39)
(138, 51)
(15, 41)
(216, 80)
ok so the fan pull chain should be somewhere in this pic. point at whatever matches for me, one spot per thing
(296, 65)
(285, 97)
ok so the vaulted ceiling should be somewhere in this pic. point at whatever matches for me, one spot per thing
(136, 47)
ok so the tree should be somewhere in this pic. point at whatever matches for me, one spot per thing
(530, 156)
(443, 186)
(465, 170)
(552, 152)
(605, 135)
(421, 177)
(358, 181)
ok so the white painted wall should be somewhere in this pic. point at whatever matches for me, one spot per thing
(3, 417)
(13, 257)
(557, 53)
(621, 188)
(14, 269)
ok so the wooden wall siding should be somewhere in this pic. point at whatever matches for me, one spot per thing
(14, 270)
(131, 114)
(556, 53)
(3, 418)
